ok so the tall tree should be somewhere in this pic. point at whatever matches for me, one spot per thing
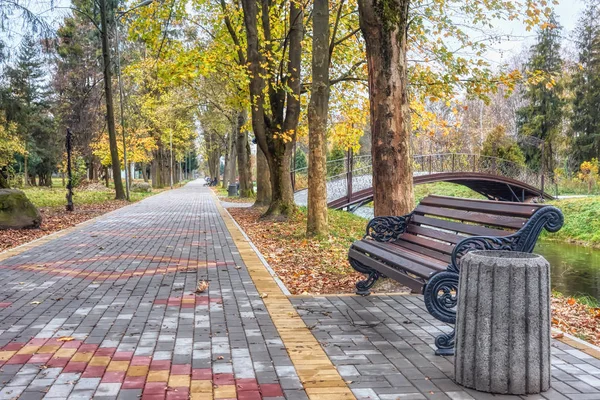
(78, 82)
(317, 121)
(385, 26)
(275, 94)
(542, 117)
(28, 105)
(105, 16)
(585, 86)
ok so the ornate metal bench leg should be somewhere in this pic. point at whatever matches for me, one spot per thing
(440, 297)
(445, 344)
(363, 287)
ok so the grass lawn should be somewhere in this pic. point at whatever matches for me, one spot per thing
(55, 196)
(582, 221)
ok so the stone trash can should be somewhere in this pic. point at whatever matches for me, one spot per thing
(232, 190)
(503, 323)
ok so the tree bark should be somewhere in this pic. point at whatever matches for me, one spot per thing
(4, 179)
(25, 169)
(263, 180)
(144, 172)
(110, 114)
(385, 34)
(243, 157)
(231, 178)
(316, 223)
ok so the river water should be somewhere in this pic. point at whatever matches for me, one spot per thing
(575, 269)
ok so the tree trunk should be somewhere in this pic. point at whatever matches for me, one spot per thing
(25, 170)
(385, 36)
(243, 157)
(263, 180)
(4, 179)
(110, 114)
(231, 172)
(316, 223)
(144, 172)
(226, 162)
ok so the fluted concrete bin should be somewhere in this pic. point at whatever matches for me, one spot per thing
(503, 323)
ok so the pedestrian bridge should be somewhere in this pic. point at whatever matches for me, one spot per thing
(350, 179)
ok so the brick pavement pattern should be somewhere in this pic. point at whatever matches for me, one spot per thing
(383, 347)
(109, 311)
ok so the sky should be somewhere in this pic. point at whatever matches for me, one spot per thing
(500, 53)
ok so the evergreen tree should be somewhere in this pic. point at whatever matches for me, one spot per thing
(300, 161)
(27, 105)
(543, 114)
(77, 82)
(585, 117)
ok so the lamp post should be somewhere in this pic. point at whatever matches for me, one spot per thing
(171, 162)
(121, 94)
(70, 206)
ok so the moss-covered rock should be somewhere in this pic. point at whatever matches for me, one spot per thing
(141, 187)
(16, 211)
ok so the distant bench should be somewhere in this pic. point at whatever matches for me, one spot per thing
(422, 250)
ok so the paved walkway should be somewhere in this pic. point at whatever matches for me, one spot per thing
(108, 310)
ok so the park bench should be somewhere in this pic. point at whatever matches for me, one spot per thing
(422, 250)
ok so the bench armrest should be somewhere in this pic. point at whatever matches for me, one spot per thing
(385, 229)
(549, 218)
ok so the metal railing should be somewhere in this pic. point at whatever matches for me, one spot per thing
(352, 174)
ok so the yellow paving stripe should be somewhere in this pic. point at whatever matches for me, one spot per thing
(319, 377)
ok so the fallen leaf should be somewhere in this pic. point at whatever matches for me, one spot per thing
(558, 336)
(66, 339)
(571, 301)
(263, 295)
(202, 286)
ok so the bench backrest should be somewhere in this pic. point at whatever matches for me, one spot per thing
(439, 223)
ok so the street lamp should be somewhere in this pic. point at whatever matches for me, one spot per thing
(121, 94)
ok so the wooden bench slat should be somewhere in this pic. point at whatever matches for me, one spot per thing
(445, 258)
(415, 284)
(490, 207)
(428, 243)
(477, 217)
(434, 233)
(416, 256)
(396, 260)
(475, 230)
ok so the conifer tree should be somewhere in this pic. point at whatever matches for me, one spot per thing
(542, 116)
(585, 116)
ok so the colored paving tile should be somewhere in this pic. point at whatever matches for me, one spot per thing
(109, 310)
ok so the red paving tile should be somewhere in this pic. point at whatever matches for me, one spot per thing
(94, 372)
(75, 367)
(113, 377)
(122, 356)
(141, 360)
(249, 395)
(134, 382)
(223, 379)
(246, 384)
(181, 369)
(155, 388)
(160, 365)
(202, 374)
(271, 390)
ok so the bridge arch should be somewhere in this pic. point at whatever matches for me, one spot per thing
(349, 181)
